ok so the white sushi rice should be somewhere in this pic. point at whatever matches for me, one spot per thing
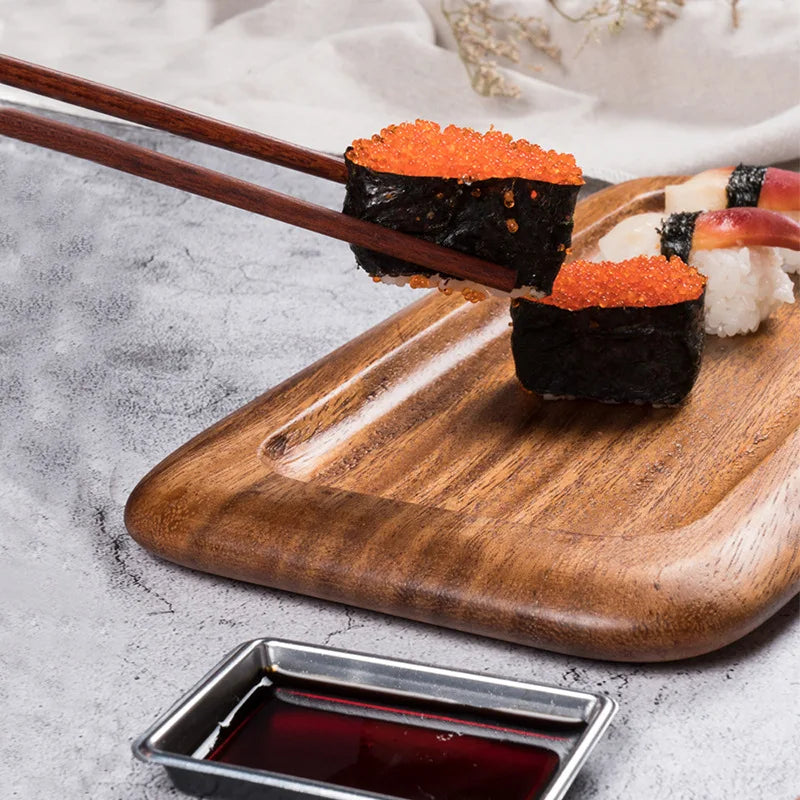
(745, 284)
(474, 292)
(551, 397)
(790, 259)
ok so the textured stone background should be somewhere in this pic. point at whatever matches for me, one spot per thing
(134, 316)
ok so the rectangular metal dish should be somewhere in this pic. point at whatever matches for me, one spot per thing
(572, 721)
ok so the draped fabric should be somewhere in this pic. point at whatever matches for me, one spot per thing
(694, 93)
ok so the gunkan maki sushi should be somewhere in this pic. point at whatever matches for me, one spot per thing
(503, 200)
(630, 332)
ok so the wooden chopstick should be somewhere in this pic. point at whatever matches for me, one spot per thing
(198, 180)
(133, 108)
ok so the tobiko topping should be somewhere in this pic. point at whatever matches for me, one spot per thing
(422, 148)
(644, 281)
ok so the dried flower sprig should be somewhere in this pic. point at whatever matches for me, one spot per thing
(654, 13)
(484, 36)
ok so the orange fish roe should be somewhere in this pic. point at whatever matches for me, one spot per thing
(422, 148)
(419, 282)
(473, 295)
(642, 281)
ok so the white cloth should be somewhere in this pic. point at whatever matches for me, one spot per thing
(320, 73)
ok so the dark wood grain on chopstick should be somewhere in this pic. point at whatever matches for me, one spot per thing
(144, 111)
(171, 171)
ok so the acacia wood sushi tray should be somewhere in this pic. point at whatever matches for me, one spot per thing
(407, 472)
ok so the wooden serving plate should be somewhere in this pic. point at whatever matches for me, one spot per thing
(408, 472)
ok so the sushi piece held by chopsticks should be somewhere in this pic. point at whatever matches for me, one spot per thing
(630, 332)
(734, 248)
(506, 201)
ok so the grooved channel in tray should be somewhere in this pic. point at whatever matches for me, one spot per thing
(457, 432)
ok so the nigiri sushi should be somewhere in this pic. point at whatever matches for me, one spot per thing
(735, 187)
(734, 248)
(630, 332)
(503, 200)
(732, 187)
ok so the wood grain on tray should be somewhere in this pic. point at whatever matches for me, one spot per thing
(408, 472)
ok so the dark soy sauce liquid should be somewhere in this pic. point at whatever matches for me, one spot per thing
(378, 748)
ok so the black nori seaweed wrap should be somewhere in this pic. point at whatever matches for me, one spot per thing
(677, 234)
(470, 217)
(744, 186)
(619, 355)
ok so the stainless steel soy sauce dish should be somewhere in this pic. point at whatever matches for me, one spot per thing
(277, 719)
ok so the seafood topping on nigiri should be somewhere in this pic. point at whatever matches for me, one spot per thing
(731, 227)
(736, 187)
(681, 233)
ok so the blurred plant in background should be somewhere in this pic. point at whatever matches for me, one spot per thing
(485, 35)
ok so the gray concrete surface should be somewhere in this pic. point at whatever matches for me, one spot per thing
(134, 316)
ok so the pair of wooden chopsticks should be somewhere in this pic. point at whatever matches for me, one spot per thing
(217, 186)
